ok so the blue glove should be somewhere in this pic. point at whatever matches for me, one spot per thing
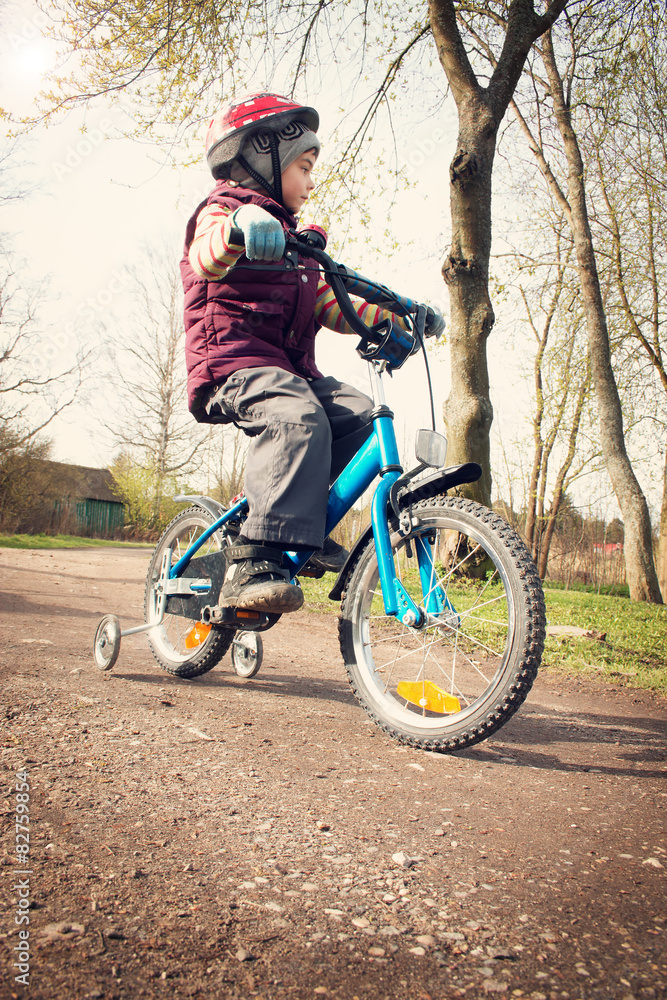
(435, 322)
(264, 235)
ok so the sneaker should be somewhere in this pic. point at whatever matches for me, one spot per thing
(256, 580)
(329, 559)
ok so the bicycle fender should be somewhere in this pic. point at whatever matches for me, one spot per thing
(443, 480)
(439, 481)
(208, 504)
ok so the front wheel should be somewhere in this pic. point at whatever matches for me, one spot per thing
(460, 674)
(183, 645)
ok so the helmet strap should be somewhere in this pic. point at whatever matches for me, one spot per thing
(268, 187)
(275, 189)
(277, 173)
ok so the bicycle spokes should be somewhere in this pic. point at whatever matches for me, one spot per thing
(436, 679)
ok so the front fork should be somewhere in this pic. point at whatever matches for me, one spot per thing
(397, 601)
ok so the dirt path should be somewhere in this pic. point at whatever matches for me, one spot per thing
(221, 838)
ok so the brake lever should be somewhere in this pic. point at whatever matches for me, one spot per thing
(419, 325)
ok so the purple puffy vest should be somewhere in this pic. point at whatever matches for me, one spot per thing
(253, 318)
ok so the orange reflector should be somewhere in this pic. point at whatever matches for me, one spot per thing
(197, 635)
(427, 695)
(247, 614)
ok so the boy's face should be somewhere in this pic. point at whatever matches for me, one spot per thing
(297, 182)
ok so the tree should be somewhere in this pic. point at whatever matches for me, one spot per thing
(148, 378)
(558, 93)
(562, 381)
(22, 482)
(481, 109)
(148, 507)
(174, 59)
(32, 394)
(626, 146)
(225, 454)
(561, 445)
(540, 267)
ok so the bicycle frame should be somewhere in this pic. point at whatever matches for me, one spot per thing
(377, 456)
(486, 656)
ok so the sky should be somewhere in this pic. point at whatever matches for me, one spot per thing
(98, 200)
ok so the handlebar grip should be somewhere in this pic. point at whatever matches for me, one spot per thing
(313, 237)
(434, 323)
(340, 276)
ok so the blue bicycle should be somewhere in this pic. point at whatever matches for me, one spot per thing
(442, 617)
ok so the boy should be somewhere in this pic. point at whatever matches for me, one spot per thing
(250, 338)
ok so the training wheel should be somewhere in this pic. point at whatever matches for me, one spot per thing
(107, 642)
(247, 653)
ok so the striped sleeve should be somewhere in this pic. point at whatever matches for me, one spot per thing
(328, 313)
(211, 253)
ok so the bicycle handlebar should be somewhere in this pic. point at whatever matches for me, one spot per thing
(343, 281)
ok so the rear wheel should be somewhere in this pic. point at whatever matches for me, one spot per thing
(463, 672)
(185, 646)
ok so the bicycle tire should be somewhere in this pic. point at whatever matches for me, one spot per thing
(167, 641)
(468, 669)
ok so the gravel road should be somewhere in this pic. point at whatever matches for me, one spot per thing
(225, 838)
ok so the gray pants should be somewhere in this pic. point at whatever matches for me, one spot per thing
(303, 434)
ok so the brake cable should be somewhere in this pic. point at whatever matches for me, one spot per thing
(331, 271)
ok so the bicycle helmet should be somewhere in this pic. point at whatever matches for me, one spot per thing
(266, 113)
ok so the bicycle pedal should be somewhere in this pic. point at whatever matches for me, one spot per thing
(215, 615)
(313, 573)
(243, 618)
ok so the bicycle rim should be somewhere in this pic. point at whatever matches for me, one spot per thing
(466, 669)
(178, 640)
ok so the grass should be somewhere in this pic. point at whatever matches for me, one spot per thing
(63, 542)
(316, 593)
(633, 654)
(609, 589)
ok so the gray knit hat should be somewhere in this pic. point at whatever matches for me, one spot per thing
(294, 139)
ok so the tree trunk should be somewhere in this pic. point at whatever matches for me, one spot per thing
(468, 412)
(530, 532)
(662, 546)
(638, 548)
(559, 485)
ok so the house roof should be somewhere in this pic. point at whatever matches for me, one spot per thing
(85, 483)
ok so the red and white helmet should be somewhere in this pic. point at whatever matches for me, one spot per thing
(232, 125)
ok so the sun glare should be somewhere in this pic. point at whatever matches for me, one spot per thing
(35, 58)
